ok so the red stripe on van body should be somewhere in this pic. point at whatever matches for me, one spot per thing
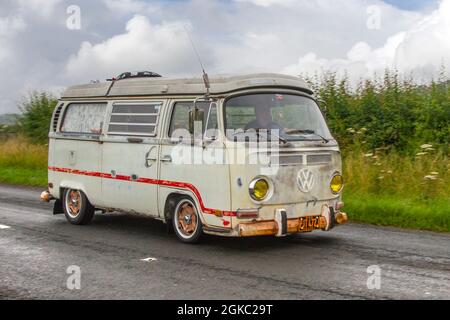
(172, 184)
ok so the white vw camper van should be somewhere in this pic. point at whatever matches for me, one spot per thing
(253, 157)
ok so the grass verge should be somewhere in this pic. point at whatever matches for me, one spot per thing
(384, 210)
(23, 176)
(23, 163)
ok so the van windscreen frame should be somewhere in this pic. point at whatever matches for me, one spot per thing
(271, 100)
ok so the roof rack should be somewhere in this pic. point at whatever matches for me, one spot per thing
(136, 74)
(167, 86)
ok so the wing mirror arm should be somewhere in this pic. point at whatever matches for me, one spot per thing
(323, 107)
(196, 115)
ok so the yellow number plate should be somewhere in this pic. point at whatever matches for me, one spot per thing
(306, 224)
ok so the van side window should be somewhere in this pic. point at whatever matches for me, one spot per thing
(212, 127)
(84, 118)
(134, 119)
(180, 115)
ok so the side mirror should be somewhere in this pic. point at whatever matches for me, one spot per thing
(196, 115)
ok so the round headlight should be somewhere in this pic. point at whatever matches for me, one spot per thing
(259, 189)
(337, 183)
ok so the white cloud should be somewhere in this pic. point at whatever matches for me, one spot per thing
(237, 36)
(427, 44)
(268, 3)
(130, 6)
(361, 61)
(43, 8)
(252, 52)
(271, 35)
(9, 27)
(161, 48)
(420, 50)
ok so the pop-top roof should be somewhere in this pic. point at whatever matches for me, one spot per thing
(194, 86)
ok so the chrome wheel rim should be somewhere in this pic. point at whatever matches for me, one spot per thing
(186, 218)
(73, 203)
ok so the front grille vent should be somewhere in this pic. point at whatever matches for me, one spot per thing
(314, 159)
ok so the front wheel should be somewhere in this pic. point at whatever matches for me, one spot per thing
(77, 208)
(186, 221)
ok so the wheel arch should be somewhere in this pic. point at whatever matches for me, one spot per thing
(172, 200)
(67, 184)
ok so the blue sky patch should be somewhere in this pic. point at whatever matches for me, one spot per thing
(412, 5)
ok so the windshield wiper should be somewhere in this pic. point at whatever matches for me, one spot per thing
(258, 134)
(277, 136)
(251, 130)
(307, 131)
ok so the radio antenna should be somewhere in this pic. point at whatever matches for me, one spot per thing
(205, 75)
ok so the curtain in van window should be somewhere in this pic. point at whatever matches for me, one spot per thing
(84, 118)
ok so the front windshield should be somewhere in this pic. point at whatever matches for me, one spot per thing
(293, 117)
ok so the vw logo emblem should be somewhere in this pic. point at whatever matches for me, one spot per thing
(305, 180)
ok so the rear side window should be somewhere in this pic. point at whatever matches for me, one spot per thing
(140, 119)
(84, 118)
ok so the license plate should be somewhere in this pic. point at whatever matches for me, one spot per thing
(311, 223)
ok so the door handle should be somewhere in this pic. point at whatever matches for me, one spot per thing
(148, 159)
(166, 158)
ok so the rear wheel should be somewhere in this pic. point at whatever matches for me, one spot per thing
(77, 208)
(186, 221)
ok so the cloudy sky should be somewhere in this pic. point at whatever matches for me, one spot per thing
(50, 44)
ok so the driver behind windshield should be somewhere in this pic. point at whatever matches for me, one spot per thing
(263, 114)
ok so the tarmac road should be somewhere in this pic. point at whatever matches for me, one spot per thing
(36, 249)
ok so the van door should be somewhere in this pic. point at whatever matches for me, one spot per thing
(131, 157)
(196, 169)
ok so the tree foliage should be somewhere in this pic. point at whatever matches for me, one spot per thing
(37, 110)
(389, 113)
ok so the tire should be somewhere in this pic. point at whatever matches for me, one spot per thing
(186, 221)
(77, 208)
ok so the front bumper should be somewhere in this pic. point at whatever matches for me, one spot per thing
(282, 226)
